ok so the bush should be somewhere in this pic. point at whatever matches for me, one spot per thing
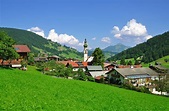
(144, 89)
(102, 79)
(89, 78)
(166, 60)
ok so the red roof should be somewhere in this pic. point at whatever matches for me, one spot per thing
(85, 64)
(99, 77)
(11, 62)
(21, 48)
(74, 63)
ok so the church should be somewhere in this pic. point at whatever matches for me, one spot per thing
(86, 57)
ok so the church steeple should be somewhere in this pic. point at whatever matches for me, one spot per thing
(85, 50)
(85, 44)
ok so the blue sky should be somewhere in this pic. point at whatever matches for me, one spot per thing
(101, 22)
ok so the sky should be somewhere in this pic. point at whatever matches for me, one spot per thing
(101, 22)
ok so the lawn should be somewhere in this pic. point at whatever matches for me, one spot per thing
(31, 90)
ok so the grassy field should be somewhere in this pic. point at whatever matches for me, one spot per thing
(30, 90)
(161, 60)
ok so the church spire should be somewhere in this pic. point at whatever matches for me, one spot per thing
(85, 50)
(85, 44)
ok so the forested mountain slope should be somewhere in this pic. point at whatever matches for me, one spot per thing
(39, 44)
(151, 50)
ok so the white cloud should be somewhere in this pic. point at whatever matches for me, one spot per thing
(132, 32)
(106, 39)
(148, 37)
(37, 30)
(64, 39)
(94, 38)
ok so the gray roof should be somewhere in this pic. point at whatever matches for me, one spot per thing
(136, 71)
(97, 73)
(94, 68)
(55, 56)
(40, 59)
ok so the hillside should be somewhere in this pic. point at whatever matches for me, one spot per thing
(31, 90)
(107, 54)
(155, 48)
(164, 61)
(39, 44)
(116, 48)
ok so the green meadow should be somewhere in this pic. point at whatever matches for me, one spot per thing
(161, 61)
(32, 91)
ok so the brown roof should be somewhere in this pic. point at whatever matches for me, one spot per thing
(107, 64)
(129, 66)
(21, 48)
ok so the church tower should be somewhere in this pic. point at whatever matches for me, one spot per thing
(85, 50)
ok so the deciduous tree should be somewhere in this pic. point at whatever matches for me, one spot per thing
(122, 61)
(7, 51)
(98, 57)
(162, 83)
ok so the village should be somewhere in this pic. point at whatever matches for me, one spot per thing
(134, 77)
(84, 55)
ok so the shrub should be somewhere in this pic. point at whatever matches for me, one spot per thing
(89, 78)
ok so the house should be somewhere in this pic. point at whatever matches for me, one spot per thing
(136, 76)
(96, 72)
(40, 59)
(46, 58)
(75, 64)
(54, 57)
(129, 66)
(109, 66)
(22, 50)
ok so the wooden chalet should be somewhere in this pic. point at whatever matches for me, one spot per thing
(137, 76)
(22, 50)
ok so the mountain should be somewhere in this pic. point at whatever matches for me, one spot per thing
(38, 44)
(107, 54)
(116, 48)
(155, 48)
